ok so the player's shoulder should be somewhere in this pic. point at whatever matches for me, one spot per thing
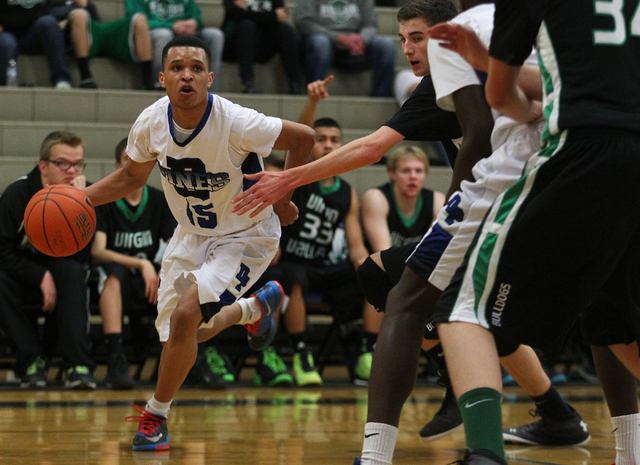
(155, 112)
(223, 106)
(479, 18)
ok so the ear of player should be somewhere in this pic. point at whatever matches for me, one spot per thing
(60, 220)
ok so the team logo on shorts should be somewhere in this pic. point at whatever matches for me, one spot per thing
(499, 304)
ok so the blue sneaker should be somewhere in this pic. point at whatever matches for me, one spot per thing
(152, 431)
(262, 332)
(356, 461)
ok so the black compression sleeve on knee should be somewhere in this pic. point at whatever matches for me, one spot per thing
(375, 284)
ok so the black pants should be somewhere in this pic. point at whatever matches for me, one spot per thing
(249, 42)
(70, 316)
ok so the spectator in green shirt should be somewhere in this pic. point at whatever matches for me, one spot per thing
(169, 18)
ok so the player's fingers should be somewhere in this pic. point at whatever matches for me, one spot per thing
(244, 207)
(258, 209)
(239, 200)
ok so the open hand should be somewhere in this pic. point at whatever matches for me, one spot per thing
(271, 187)
(462, 40)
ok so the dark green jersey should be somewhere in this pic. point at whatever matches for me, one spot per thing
(589, 53)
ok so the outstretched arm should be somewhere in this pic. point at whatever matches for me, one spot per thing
(272, 185)
(297, 139)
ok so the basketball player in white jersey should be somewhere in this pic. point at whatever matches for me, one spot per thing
(203, 144)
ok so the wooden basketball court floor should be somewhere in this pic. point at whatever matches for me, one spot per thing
(261, 426)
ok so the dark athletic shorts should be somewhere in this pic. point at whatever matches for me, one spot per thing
(568, 229)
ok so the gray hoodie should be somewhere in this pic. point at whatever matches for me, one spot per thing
(333, 17)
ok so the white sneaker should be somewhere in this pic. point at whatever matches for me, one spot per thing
(63, 85)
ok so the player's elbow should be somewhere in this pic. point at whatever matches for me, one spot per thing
(497, 97)
(372, 151)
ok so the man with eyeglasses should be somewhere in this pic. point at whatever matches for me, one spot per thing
(32, 283)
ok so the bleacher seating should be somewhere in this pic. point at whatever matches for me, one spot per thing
(103, 117)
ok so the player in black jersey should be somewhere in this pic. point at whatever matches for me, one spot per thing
(568, 233)
(128, 237)
(322, 250)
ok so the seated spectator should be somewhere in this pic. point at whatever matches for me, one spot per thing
(128, 238)
(256, 31)
(170, 18)
(61, 8)
(314, 257)
(26, 27)
(127, 40)
(56, 286)
(343, 34)
(401, 211)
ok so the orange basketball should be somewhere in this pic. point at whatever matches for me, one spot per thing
(60, 220)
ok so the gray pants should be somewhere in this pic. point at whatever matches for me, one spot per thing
(211, 35)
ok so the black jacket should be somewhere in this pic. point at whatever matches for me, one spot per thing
(18, 258)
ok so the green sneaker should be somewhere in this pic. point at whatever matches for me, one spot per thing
(271, 370)
(80, 377)
(363, 369)
(218, 364)
(35, 376)
(304, 370)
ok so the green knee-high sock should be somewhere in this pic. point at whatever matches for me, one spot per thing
(482, 416)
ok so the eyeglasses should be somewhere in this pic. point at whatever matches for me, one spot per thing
(65, 165)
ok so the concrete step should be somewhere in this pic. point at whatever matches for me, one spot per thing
(270, 77)
(123, 106)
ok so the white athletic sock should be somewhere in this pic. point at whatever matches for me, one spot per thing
(158, 408)
(379, 443)
(626, 429)
(251, 310)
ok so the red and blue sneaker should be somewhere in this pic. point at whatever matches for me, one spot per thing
(152, 431)
(262, 332)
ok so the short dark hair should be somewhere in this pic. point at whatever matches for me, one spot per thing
(187, 41)
(59, 137)
(120, 148)
(326, 123)
(431, 11)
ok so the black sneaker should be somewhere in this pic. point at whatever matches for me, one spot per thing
(271, 370)
(152, 431)
(480, 457)
(446, 419)
(202, 376)
(88, 83)
(250, 88)
(548, 432)
(118, 373)
(80, 377)
(35, 376)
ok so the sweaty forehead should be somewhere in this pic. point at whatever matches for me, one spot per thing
(186, 53)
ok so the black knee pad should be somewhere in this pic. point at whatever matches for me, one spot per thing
(375, 283)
